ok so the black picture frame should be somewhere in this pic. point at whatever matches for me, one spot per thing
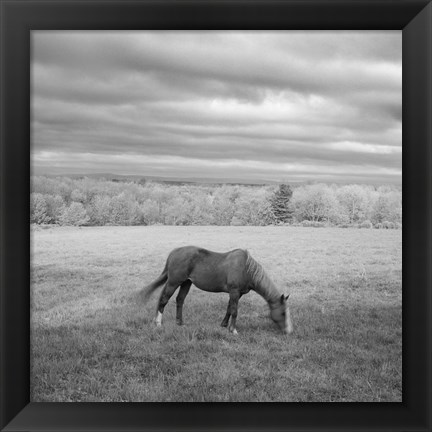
(19, 18)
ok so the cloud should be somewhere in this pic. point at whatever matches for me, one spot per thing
(303, 99)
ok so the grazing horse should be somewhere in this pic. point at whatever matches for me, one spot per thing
(234, 272)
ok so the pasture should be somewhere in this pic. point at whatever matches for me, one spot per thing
(91, 340)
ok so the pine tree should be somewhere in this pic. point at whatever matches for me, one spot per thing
(280, 204)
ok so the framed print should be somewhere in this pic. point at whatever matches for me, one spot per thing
(257, 156)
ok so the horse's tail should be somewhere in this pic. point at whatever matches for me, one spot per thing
(148, 290)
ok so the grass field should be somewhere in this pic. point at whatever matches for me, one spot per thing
(92, 341)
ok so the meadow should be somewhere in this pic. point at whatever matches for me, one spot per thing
(92, 340)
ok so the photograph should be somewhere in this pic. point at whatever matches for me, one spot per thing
(216, 216)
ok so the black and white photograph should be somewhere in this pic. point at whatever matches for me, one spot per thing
(216, 216)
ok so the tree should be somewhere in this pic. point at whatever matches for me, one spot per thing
(57, 186)
(150, 212)
(387, 207)
(78, 196)
(39, 212)
(224, 204)
(177, 212)
(354, 201)
(75, 214)
(124, 210)
(99, 210)
(315, 203)
(162, 195)
(252, 207)
(55, 206)
(200, 207)
(280, 204)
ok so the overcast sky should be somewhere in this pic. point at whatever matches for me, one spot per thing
(285, 105)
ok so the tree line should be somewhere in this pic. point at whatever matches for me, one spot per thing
(87, 201)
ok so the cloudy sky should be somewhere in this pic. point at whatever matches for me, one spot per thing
(284, 105)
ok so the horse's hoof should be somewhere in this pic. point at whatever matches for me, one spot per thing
(224, 324)
(234, 331)
(180, 323)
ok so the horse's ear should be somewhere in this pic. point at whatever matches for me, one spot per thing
(287, 296)
(282, 299)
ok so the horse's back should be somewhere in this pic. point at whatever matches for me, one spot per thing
(188, 252)
(208, 270)
(194, 252)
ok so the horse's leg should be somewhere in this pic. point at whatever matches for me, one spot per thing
(183, 292)
(167, 292)
(233, 305)
(224, 322)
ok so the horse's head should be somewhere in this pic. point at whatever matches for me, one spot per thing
(280, 314)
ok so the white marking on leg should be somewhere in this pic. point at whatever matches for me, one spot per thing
(289, 326)
(234, 332)
(159, 319)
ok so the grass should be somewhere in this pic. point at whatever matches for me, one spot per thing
(92, 341)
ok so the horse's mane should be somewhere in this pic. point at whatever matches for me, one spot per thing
(254, 269)
(261, 282)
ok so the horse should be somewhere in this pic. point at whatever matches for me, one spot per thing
(234, 272)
